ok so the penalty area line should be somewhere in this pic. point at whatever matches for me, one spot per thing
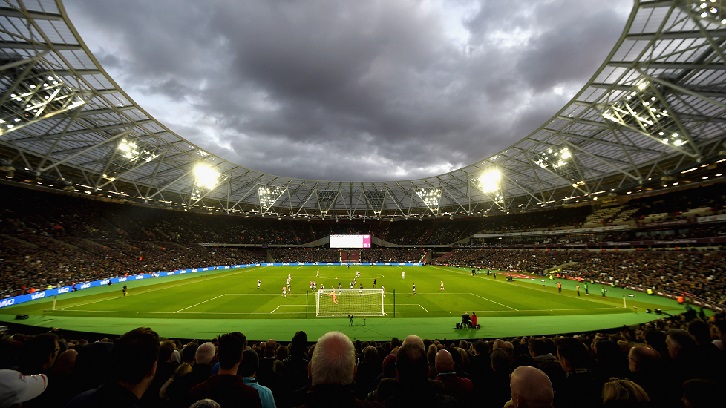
(197, 304)
(279, 306)
(489, 300)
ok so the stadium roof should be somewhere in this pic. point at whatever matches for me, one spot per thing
(656, 107)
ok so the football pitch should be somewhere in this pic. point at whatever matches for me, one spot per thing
(207, 304)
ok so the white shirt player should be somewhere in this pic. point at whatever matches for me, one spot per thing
(403, 274)
(259, 283)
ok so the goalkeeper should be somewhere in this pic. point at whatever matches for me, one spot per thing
(334, 296)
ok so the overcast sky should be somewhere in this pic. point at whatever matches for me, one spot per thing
(359, 90)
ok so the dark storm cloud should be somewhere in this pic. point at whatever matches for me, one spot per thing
(350, 90)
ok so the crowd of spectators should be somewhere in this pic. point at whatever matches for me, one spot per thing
(26, 211)
(676, 204)
(697, 274)
(36, 262)
(673, 362)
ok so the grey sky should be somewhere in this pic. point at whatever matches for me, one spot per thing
(348, 89)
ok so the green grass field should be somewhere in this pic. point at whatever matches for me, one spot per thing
(208, 304)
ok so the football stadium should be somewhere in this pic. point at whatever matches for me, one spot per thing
(605, 224)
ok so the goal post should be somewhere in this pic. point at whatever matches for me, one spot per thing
(344, 302)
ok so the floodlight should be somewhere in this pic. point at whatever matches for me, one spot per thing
(646, 110)
(128, 149)
(431, 197)
(205, 176)
(710, 10)
(36, 96)
(489, 180)
(268, 196)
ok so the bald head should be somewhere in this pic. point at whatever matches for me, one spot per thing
(643, 358)
(531, 388)
(65, 362)
(414, 340)
(333, 360)
(444, 362)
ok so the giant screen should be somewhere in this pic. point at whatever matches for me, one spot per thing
(350, 241)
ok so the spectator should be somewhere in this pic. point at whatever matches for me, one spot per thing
(205, 403)
(542, 355)
(412, 386)
(133, 365)
(16, 388)
(684, 361)
(699, 393)
(497, 388)
(581, 386)
(367, 370)
(165, 369)
(611, 361)
(707, 352)
(248, 368)
(646, 369)
(226, 387)
(479, 363)
(332, 371)
(459, 387)
(624, 393)
(293, 375)
(176, 391)
(531, 388)
(39, 353)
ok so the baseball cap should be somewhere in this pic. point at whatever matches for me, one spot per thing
(16, 388)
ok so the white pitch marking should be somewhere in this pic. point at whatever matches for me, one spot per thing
(500, 304)
(413, 304)
(197, 304)
(186, 282)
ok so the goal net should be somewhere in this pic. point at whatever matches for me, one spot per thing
(344, 302)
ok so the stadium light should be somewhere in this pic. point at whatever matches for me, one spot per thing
(128, 149)
(205, 176)
(37, 94)
(431, 197)
(268, 196)
(490, 180)
(554, 158)
(132, 152)
(711, 10)
(645, 110)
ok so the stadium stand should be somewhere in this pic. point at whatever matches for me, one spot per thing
(74, 365)
(76, 239)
